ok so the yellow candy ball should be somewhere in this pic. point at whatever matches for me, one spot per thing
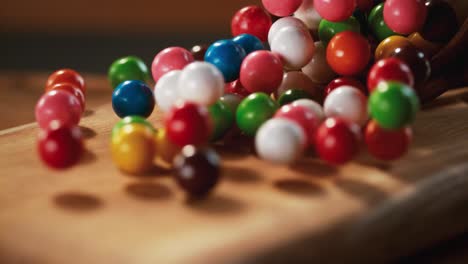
(166, 151)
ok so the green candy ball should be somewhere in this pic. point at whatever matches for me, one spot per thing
(223, 119)
(128, 68)
(377, 25)
(393, 105)
(292, 95)
(328, 29)
(253, 111)
(131, 120)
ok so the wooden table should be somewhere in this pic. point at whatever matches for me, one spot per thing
(365, 211)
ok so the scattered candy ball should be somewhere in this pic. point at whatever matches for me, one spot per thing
(282, 23)
(295, 47)
(388, 45)
(249, 43)
(66, 76)
(251, 20)
(292, 95)
(227, 56)
(348, 53)
(348, 103)
(253, 111)
(308, 15)
(377, 25)
(299, 81)
(390, 69)
(405, 16)
(58, 106)
(165, 149)
(387, 144)
(281, 8)
(131, 120)
(223, 119)
(198, 52)
(71, 88)
(169, 59)
(133, 98)
(165, 90)
(126, 69)
(261, 71)
(318, 69)
(335, 10)
(328, 29)
(416, 60)
(306, 118)
(342, 81)
(313, 106)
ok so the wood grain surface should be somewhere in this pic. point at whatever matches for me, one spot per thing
(365, 211)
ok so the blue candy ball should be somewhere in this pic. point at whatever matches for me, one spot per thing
(133, 98)
(249, 43)
(227, 56)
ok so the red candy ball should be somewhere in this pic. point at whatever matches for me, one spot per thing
(173, 58)
(405, 16)
(304, 117)
(281, 8)
(390, 69)
(261, 71)
(188, 124)
(73, 90)
(251, 20)
(236, 87)
(387, 144)
(58, 106)
(344, 81)
(337, 141)
(335, 10)
(66, 76)
(348, 53)
(60, 147)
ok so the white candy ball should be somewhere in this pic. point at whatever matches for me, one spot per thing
(347, 102)
(295, 47)
(307, 14)
(165, 90)
(284, 22)
(312, 105)
(280, 140)
(317, 68)
(201, 83)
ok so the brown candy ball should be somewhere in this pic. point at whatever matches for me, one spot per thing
(198, 52)
(388, 45)
(416, 60)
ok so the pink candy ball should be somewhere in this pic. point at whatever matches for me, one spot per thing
(405, 16)
(261, 71)
(173, 58)
(281, 8)
(58, 106)
(335, 10)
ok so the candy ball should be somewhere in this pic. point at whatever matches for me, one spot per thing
(348, 53)
(236, 87)
(198, 52)
(133, 148)
(377, 25)
(281, 8)
(165, 150)
(201, 83)
(131, 120)
(223, 119)
(133, 98)
(428, 48)
(348, 103)
(335, 10)
(231, 101)
(405, 16)
(252, 20)
(292, 95)
(337, 140)
(390, 69)
(253, 111)
(318, 69)
(66, 76)
(197, 170)
(249, 43)
(60, 146)
(280, 141)
(328, 29)
(188, 124)
(71, 88)
(387, 144)
(388, 45)
(299, 81)
(261, 71)
(165, 90)
(341, 81)
(295, 47)
(393, 105)
(282, 23)
(58, 106)
(304, 117)
(313, 106)
(441, 24)
(126, 69)
(308, 15)
(169, 59)
(416, 60)
(227, 56)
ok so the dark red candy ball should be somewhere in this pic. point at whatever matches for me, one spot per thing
(188, 124)
(344, 81)
(251, 20)
(236, 87)
(387, 144)
(416, 60)
(60, 147)
(390, 69)
(337, 141)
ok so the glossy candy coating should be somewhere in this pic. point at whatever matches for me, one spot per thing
(281, 8)
(335, 10)
(251, 20)
(405, 16)
(165, 150)
(71, 88)
(328, 29)
(169, 59)
(416, 60)
(377, 25)
(390, 69)
(61, 146)
(227, 56)
(188, 124)
(341, 81)
(348, 53)
(126, 69)
(197, 170)
(231, 101)
(131, 120)
(299, 81)
(249, 43)
(387, 144)
(292, 95)
(261, 71)
(313, 106)
(133, 148)
(304, 117)
(236, 87)
(308, 15)
(393, 105)
(133, 98)
(284, 22)
(201, 83)
(223, 119)
(318, 69)
(166, 90)
(388, 45)
(58, 106)
(280, 140)
(348, 103)
(295, 47)
(66, 76)
(198, 52)
(441, 23)
(253, 111)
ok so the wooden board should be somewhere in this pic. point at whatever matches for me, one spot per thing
(260, 212)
